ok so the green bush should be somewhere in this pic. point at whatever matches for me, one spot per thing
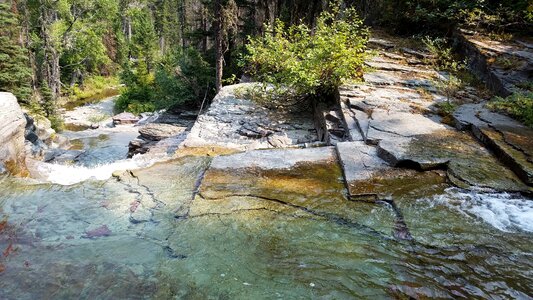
(300, 61)
(443, 56)
(519, 106)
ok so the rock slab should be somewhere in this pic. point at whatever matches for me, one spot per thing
(12, 129)
(511, 141)
(234, 122)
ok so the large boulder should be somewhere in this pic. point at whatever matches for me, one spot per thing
(12, 127)
(233, 121)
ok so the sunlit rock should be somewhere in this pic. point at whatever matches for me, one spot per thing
(12, 127)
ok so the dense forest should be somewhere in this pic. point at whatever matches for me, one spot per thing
(170, 52)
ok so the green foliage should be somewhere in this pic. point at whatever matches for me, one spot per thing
(519, 106)
(508, 62)
(182, 77)
(431, 14)
(443, 55)
(300, 61)
(446, 108)
(48, 105)
(15, 74)
(92, 86)
(144, 40)
(449, 86)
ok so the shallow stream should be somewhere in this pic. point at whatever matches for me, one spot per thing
(136, 236)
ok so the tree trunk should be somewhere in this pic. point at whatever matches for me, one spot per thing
(50, 68)
(219, 44)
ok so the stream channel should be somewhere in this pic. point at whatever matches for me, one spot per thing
(83, 233)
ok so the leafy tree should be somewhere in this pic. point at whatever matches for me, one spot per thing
(303, 61)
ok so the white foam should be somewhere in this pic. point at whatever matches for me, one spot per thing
(506, 212)
(72, 174)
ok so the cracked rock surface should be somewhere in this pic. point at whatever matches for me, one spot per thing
(511, 141)
(392, 119)
(236, 123)
(504, 65)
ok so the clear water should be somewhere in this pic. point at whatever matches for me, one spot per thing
(133, 238)
(143, 235)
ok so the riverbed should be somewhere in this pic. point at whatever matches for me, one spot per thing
(108, 227)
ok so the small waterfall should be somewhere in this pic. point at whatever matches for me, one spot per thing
(72, 174)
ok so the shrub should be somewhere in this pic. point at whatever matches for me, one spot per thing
(519, 106)
(443, 56)
(299, 61)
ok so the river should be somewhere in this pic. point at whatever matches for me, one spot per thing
(83, 233)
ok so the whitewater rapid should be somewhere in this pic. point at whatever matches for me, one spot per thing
(71, 174)
(503, 211)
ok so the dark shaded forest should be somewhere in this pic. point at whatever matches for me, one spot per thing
(171, 52)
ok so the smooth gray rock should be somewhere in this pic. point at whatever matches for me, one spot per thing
(468, 163)
(368, 177)
(12, 130)
(359, 161)
(234, 122)
(125, 118)
(157, 132)
(274, 158)
(391, 125)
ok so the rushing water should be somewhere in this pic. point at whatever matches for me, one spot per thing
(136, 236)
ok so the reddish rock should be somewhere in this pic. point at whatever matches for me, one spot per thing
(97, 232)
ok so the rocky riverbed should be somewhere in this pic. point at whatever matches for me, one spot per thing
(373, 196)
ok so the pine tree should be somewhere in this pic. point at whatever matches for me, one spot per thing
(15, 74)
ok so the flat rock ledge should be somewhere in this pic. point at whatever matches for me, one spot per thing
(370, 178)
(504, 66)
(511, 141)
(393, 125)
(296, 181)
(12, 129)
(233, 122)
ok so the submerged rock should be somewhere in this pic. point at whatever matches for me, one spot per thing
(101, 231)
